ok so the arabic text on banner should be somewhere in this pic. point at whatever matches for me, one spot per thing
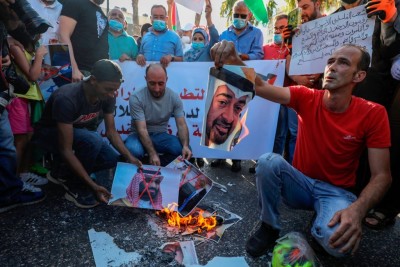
(190, 81)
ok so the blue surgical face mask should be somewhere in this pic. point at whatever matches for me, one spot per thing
(116, 25)
(198, 45)
(159, 25)
(277, 38)
(239, 23)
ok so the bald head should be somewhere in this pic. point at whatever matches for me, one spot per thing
(240, 4)
(156, 78)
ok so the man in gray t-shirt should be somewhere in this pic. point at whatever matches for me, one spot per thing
(151, 108)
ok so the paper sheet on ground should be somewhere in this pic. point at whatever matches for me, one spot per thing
(153, 187)
(224, 261)
(193, 187)
(107, 254)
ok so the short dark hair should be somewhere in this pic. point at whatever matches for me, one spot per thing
(365, 59)
(145, 28)
(158, 6)
(154, 65)
(281, 16)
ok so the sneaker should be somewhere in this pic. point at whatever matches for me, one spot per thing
(23, 198)
(253, 168)
(262, 240)
(200, 162)
(52, 178)
(216, 162)
(236, 166)
(33, 179)
(27, 187)
(82, 198)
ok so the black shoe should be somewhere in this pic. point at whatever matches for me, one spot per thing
(236, 167)
(199, 162)
(22, 198)
(56, 180)
(82, 197)
(262, 240)
(253, 168)
(216, 162)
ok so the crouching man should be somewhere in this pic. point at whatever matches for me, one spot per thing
(68, 128)
(334, 128)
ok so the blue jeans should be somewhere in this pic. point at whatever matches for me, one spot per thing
(9, 182)
(89, 147)
(162, 142)
(287, 121)
(277, 179)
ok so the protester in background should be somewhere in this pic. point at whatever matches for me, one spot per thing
(20, 110)
(186, 37)
(201, 41)
(150, 109)
(143, 31)
(84, 27)
(160, 43)
(68, 128)
(49, 10)
(287, 119)
(248, 41)
(122, 46)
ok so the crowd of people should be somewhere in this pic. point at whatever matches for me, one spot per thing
(337, 138)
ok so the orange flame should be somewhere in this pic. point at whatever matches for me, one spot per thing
(176, 220)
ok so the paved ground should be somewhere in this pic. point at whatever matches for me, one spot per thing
(55, 232)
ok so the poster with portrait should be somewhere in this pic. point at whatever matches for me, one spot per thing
(56, 69)
(230, 89)
(151, 187)
(184, 252)
(193, 187)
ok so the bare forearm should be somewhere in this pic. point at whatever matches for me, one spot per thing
(146, 142)
(373, 192)
(183, 135)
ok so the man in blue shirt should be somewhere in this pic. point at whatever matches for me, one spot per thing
(122, 46)
(248, 39)
(160, 44)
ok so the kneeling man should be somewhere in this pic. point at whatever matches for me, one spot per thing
(334, 128)
(151, 108)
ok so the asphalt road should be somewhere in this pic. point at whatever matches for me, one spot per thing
(55, 232)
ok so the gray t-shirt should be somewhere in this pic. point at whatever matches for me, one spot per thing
(155, 111)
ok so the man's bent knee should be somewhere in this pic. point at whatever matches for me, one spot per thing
(269, 162)
(322, 234)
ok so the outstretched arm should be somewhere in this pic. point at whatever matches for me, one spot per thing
(348, 234)
(225, 53)
(144, 137)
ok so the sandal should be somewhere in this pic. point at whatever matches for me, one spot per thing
(382, 220)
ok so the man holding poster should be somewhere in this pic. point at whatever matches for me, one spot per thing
(345, 125)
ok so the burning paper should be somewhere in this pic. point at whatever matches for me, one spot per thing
(230, 89)
(152, 187)
(56, 69)
(184, 251)
(193, 187)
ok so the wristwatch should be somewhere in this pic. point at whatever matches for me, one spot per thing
(172, 58)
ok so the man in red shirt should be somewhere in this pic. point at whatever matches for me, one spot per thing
(334, 128)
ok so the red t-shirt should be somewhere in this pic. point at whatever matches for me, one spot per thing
(329, 144)
(274, 51)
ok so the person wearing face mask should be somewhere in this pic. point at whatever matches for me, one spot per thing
(84, 28)
(201, 42)
(247, 38)
(122, 46)
(186, 37)
(160, 43)
(248, 42)
(49, 10)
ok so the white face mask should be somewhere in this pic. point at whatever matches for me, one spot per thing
(186, 39)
